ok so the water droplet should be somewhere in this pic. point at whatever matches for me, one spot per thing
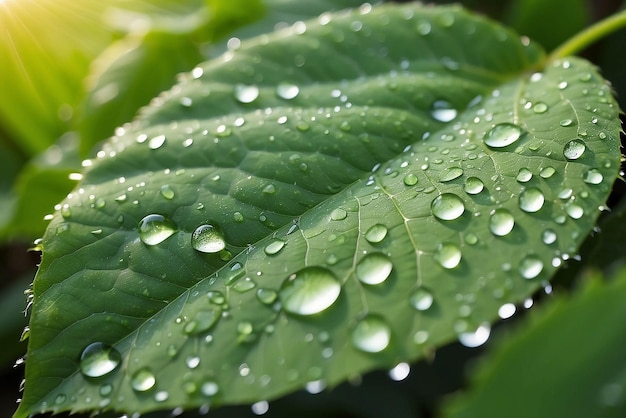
(573, 210)
(371, 334)
(531, 200)
(593, 176)
(501, 222)
(448, 255)
(566, 122)
(443, 111)
(156, 142)
(530, 266)
(267, 296)
(376, 233)
(207, 239)
(471, 238)
(447, 207)
(192, 361)
(524, 175)
(422, 299)
(540, 107)
(309, 291)
(142, 380)
(274, 246)
(410, 179)
(400, 372)
(451, 174)
(61, 398)
(547, 172)
(502, 135)
(167, 192)
(338, 214)
(506, 311)
(154, 229)
(260, 408)
(244, 285)
(548, 236)
(246, 93)
(287, 91)
(209, 388)
(374, 268)
(99, 359)
(477, 337)
(473, 185)
(203, 321)
(574, 149)
(216, 297)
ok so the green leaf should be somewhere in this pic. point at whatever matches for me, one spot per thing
(580, 372)
(342, 195)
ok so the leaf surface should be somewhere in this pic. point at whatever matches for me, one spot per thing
(341, 195)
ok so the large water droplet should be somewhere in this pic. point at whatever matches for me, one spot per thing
(530, 266)
(548, 236)
(443, 111)
(422, 299)
(501, 222)
(473, 185)
(167, 192)
(371, 334)
(448, 255)
(208, 239)
(574, 149)
(99, 359)
(143, 380)
(374, 268)
(447, 207)
(593, 176)
(531, 200)
(154, 229)
(547, 172)
(203, 321)
(246, 93)
(410, 179)
(309, 291)
(524, 175)
(502, 135)
(574, 210)
(477, 337)
(274, 247)
(451, 174)
(376, 233)
(156, 142)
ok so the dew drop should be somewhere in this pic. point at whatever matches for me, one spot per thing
(548, 236)
(246, 93)
(309, 291)
(540, 108)
(167, 192)
(400, 372)
(274, 247)
(244, 285)
(209, 388)
(477, 337)
(506, 311)
(593, 176)
(422, 299)
(410, 179)
(374, 268)
(156, 142)
(287, 91)
(266, 296)
(260, 408)
(530, 266)
(547, 172)
(524, 175)
(473, 185)
(447, 207)
(531, 200)
(566, 122)
(203, 321)
(371, 334)
(501, 222)
(448, 255)
(573, 210)
(376, 233)
(154, 229)
(443, 111)
(451, 174)
(338, 214)
(574, 149)
(207, 239)
(502, 135)
(99, 359)
(142, 380)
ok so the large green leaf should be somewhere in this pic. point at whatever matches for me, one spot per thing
(342, 195)
(558, 381)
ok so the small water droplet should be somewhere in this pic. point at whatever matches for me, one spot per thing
(473, 185)
(574, 210)
(566, 122)
(531, 200)
(451, 174)
(209, 388)
(154, 229)
(207, 239)
(540, 108)
(260, 408)
(448, 255)
(501, 222)
(143, 380)
(99, 359)
(400, 372)
(593, 176)
(274, 246)
(422, 299)
(524, 175)
(338, 214)
(287, 91)
(156, 142)
(410, 179)
(574, 149)
(60, 399)
(309, 291)
(506, 311)
(203, 321)
(547, 172)
(502, 135)
(530, 266)
(267, 296)
(374, 268)
(244, 285)
(548, 236)
(477, 337)
(246, 93)
(376, 233)
(443, 111)
(447, 207)
(371, 334)
(192, 361)
(167, 192)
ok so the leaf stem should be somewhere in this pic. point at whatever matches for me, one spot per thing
(590, 35)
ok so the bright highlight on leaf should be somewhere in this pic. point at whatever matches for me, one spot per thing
(341, 195)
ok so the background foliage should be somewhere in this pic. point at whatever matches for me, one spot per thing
(74, 71)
